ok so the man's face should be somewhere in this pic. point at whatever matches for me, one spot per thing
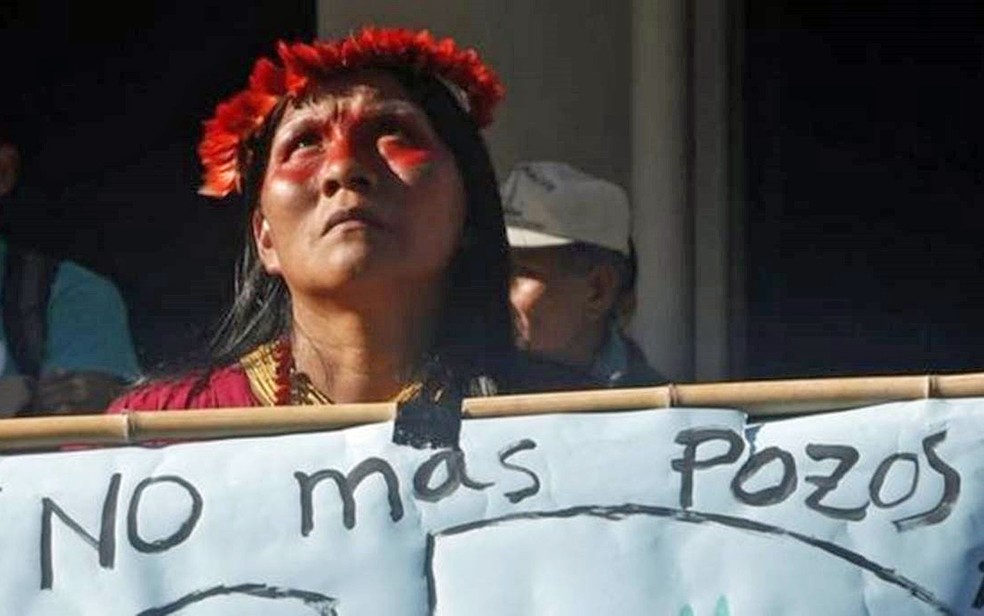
(551, 305)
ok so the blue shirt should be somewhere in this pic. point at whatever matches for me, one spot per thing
(612, 360)
(87, 325)
(620, 363)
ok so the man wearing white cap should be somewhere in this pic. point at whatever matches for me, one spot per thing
(573, 279)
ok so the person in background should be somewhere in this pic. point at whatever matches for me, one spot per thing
(574, 270)
(65, 343)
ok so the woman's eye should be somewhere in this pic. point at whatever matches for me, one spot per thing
(391, 127)
(304, 141)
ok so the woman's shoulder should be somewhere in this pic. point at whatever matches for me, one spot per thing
(213, 388)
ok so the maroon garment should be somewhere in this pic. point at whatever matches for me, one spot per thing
(223, 388)
(229, 387)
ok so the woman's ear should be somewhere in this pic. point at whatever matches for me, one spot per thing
(264, 243)
(603, 285)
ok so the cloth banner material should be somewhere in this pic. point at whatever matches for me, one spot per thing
(683, 512)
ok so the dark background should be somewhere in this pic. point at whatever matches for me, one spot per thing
(862, 164)
(114, 95)
(865, 187)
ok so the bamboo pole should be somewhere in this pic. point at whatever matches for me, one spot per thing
(758, 398)
(148, 426)
(569, 402)
(797, 396)
(790, 397)
(20, 433)
(221, 423)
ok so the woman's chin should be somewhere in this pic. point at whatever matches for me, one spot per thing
(355, 266)
(352, 252)
(350, 267)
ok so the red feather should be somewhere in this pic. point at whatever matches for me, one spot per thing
(240, 116)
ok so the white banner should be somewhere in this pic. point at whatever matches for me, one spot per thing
(679, 512)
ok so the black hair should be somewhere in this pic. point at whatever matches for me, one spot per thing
(472, 349)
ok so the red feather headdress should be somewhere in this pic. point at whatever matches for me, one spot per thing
(239, 117)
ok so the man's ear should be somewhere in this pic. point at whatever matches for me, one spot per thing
(603, 284)
(9, 168)
(264, 243)
(626, 308)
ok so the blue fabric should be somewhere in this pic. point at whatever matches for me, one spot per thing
(87, 325)
(612, 361)
(621, 363)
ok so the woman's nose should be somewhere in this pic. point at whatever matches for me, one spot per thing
(344, 170)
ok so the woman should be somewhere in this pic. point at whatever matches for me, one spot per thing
(375, 263)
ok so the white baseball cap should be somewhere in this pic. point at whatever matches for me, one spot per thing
(553, 204)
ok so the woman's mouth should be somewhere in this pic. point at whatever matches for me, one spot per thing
(354, 218)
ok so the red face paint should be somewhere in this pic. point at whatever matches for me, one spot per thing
(298, 168)
(315, 142)
(356, 131)
(340, 147)
(404, 157)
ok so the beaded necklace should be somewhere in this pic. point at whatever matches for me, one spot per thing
(275, 380)
(284, 372)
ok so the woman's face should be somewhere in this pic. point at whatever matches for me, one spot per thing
(358, 189)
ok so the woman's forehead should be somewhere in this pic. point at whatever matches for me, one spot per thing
(362, 90)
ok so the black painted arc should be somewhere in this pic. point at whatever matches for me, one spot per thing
(320, 604)
(620, 512)
(429, 575)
